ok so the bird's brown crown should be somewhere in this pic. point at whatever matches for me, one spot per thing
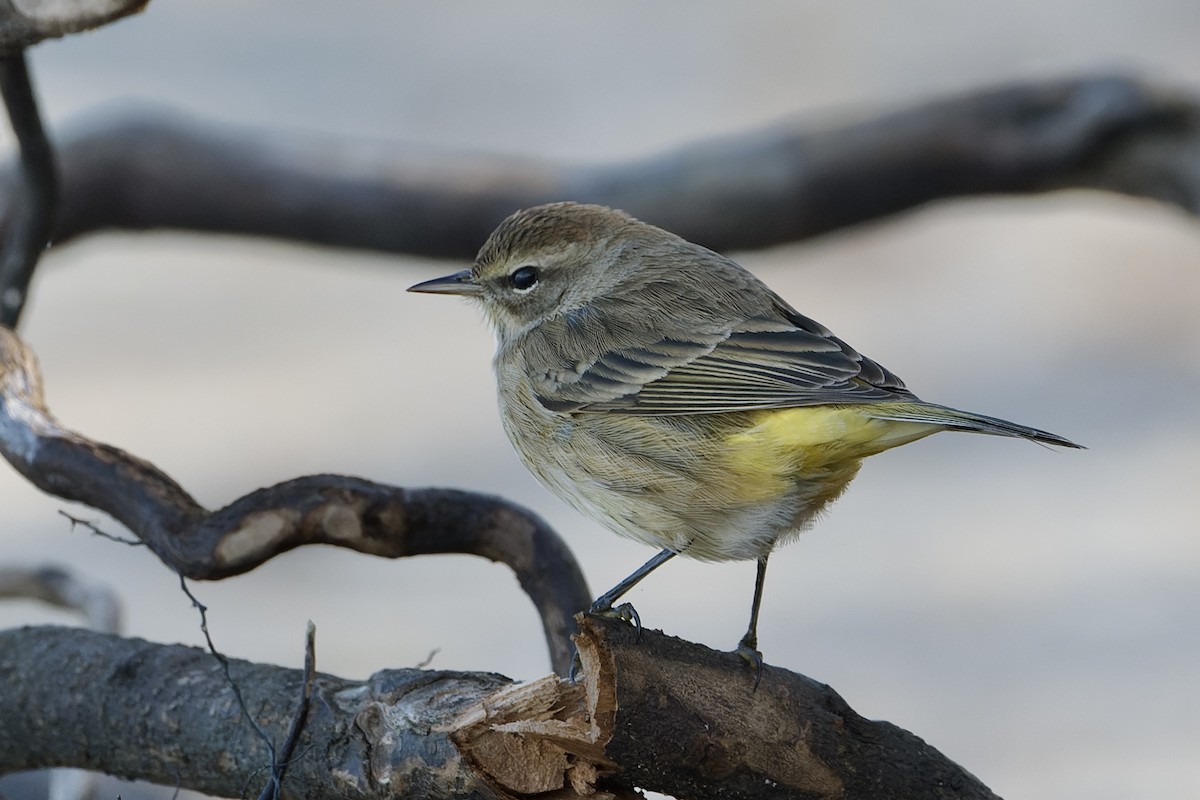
(549, 227)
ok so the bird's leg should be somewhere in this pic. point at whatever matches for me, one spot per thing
(748, 647)
(604, 603)
(603, 606)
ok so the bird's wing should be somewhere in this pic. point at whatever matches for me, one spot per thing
(771, 361)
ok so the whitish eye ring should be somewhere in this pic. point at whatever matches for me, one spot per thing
(523, 279)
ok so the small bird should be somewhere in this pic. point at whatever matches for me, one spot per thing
(664, 391)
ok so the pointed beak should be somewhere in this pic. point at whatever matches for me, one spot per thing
(458, 283)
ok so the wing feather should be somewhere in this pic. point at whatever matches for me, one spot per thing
(761, 362)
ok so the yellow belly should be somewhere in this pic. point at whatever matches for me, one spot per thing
(819, 448)
(717, 487)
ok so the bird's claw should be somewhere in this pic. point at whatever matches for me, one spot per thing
(625, 611)
(753, 658)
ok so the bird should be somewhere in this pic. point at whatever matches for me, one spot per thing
(661, 389)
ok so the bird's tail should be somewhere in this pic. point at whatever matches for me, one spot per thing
(955, 420)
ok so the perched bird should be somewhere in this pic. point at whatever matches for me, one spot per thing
(661, 389)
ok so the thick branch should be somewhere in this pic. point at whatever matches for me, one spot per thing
(166, 714)
(100, 609)
(689, 723)
(783, 183)
(320, 509)
(657, 714)
(26, 22)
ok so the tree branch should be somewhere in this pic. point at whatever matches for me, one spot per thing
(344, 511)
(100, 609)
(26, 22)
(27, 231)
(97, 604)
(658, 714)
(166, 714)
(782, 183)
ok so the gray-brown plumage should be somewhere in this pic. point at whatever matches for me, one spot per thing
(666, 392)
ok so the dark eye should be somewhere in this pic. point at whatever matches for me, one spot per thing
(524, 278)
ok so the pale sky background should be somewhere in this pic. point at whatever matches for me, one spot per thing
(1032, 614)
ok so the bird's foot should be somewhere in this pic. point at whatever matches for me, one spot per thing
(749, 653)
(625, 612)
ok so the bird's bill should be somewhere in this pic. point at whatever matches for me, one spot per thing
(458, 283)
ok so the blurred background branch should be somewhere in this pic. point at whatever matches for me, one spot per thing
(1012, 621)
(95, 603)
(786, 182)
(26, 22)
(32, 193)
(99, 608)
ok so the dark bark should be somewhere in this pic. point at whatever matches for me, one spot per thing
(787, 182)
(690, 724)
(31, 223)
(166, 714)
(656, 713)
(371, 518)
(30, 23)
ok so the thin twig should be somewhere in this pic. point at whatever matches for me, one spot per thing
(429, 658)
(224, 662)
(97, 531)
(275, 786)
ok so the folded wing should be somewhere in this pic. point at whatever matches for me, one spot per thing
(783, 361)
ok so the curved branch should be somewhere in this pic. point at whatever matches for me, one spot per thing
(26, 22)
(656, 713)
(28, 229)
(783, 183)
(344, 511)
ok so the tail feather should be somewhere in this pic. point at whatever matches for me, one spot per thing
(953, 419)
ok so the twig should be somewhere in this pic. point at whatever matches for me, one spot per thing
(96, 530)
(275, 786)
(425, 662)
(225, 665)
(223, 660)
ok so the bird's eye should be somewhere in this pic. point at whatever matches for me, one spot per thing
(524, 278)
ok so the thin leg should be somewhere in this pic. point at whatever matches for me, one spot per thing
(603, 606)
(748, 646)
(605, 601)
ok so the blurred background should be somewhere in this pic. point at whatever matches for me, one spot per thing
(1032, 614)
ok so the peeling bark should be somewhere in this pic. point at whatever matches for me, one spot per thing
(654, 713)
